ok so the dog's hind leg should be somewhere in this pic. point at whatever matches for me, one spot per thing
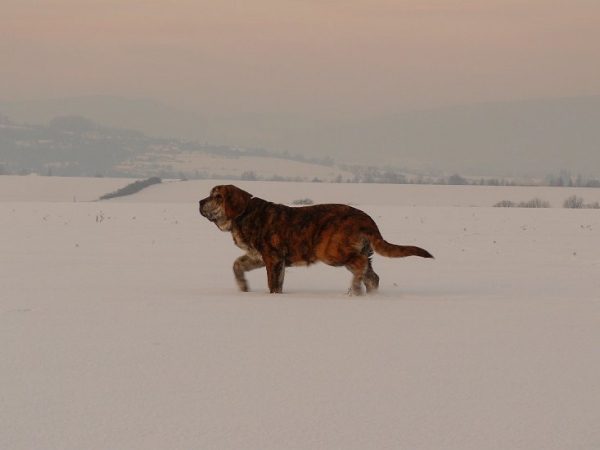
(371, 279)
(244, 264)
(359, 266)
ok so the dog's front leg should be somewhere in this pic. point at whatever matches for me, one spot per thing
(244, 264)
(275, 274)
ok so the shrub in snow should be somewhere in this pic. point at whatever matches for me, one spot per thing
(573, 202)
(303, 201)
(534, 203)
(505, 204)
(576, 202)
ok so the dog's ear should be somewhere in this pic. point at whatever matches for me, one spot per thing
(236, 201)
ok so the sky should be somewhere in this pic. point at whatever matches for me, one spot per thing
(318, 58)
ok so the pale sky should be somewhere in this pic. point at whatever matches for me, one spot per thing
(321, 58)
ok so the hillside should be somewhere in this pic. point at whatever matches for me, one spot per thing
(76, 146)
(517, 138)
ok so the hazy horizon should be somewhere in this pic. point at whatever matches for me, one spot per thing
(329, 59)
(333, 77)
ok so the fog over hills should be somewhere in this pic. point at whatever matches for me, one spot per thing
(535, 137)
(528, 137)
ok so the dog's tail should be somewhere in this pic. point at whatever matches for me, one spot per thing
(384, 248)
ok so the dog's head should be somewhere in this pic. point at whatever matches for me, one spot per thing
(224, 204)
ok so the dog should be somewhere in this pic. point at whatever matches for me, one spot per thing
(277, 236)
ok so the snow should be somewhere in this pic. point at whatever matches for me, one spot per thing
(175, 161)
(121, 325)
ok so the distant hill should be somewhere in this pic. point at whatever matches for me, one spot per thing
(76, 146)
(67, 146)
(145, 115)
(534, 137)
(518, 138)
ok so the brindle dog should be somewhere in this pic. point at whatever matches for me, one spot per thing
(277, 236)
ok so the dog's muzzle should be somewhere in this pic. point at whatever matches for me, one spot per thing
(203, 212)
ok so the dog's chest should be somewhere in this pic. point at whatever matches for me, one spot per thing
(239, 240)
(242, 241)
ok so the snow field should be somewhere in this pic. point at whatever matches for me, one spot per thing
(121, 325)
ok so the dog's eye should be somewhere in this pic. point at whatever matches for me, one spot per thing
(218, 196)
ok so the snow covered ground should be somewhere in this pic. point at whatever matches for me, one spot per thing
(121, 326)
